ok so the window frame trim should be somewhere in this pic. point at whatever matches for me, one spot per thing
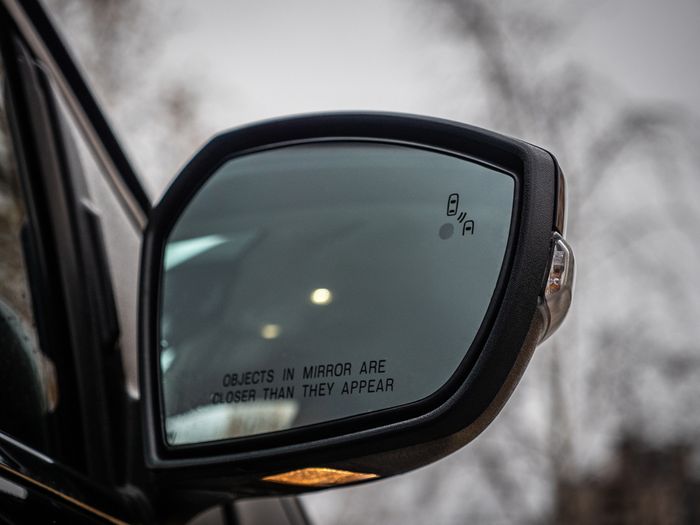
(41, 37)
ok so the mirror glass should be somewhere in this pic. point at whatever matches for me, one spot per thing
(315, 282)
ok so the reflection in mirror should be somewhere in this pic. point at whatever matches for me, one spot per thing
(315, 282)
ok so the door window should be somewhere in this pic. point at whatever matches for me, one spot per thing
(25, 394)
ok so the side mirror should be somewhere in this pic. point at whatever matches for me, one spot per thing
(335, 298)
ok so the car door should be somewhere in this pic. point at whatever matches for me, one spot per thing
(70, 443)
(59, 414)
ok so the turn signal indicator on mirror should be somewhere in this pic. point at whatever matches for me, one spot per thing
(319, 477)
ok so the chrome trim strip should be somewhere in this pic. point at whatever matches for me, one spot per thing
(22, 446)
(70, 499)
(132, 208)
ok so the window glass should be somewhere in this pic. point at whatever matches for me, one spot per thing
(23, 368)
(121, 241)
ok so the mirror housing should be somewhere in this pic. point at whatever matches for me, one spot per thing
(528, 299)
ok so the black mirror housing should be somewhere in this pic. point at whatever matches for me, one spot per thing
(536, 273)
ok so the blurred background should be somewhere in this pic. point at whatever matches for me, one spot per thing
(604, 427)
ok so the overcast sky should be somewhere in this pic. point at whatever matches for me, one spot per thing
(649, 47)
(379, 54)
(384, 54)
(253, 60)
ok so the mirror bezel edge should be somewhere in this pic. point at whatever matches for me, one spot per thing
(532, 223)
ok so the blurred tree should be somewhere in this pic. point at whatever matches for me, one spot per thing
(644, 485)
(118, 43)
(627, 361)
(625, 210)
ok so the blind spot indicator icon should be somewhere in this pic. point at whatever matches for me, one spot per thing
(468, 227)
(452, 204)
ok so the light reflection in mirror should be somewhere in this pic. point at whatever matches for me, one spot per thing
(321, 296)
